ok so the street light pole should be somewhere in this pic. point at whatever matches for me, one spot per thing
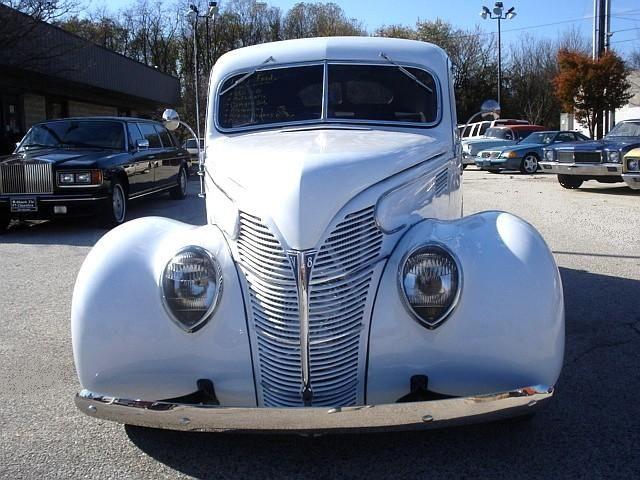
(499, 15)
(193, 15)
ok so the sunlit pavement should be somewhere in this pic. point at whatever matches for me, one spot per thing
(590, 430)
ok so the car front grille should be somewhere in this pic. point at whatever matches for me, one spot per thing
(578, 157)
(339, 288)
(26, 178)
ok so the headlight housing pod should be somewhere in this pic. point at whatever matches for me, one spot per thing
(549, 155)
(191, 285)
(430, 284)
(613, 156)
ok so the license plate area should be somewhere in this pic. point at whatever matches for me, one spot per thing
(29, 204)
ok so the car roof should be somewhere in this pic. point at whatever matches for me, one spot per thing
(104, 118)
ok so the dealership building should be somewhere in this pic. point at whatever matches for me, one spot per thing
(46, 73)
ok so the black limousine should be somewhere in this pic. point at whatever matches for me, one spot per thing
(89, 166)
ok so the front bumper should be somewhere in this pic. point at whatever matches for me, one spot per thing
(75, 205)
(395, 416)
(498, 163)
(583, 169)
(632, 180)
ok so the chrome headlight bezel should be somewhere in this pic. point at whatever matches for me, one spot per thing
(445, 251)
(637, 164)
(208, 314)
(613, 156)
(549, 155)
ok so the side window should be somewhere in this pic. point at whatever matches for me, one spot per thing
(134, 135)
(149, 132)
(164, 136)
(508, 135)
(483, 127)
(566, 137)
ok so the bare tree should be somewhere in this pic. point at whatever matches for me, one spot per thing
(529, 78)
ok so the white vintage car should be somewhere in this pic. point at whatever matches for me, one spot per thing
(336, 285)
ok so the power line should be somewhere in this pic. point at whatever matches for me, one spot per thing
(628, 40)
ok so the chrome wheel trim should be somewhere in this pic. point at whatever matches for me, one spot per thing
(530, 164)
(118, 203)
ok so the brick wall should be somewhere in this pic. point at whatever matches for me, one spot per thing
(35, 109)
(80, 109)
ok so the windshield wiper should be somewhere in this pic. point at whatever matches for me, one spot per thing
(246, 76)
(34, 146)
(406, 72)
(84, 145)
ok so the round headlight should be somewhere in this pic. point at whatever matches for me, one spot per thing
(633, 164)
(548, 155)
(430, 284)
(614, 157)
(191, 287)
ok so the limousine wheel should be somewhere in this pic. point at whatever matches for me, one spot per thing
(570, 181)
(117, 211)
(180, 191)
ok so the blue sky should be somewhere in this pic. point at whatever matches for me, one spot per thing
(465, 13)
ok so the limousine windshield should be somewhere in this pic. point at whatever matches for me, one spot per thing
(354, 93)
(74, 134)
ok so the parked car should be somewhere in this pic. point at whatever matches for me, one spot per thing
(631, 168)
(599, 160)
(191, 146)
(526, 153)
(496, 137)
(89, 167)
(478, 129)
(336, 285)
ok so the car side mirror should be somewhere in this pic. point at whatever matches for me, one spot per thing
(142, 144)
(171, 119)
(490, 109)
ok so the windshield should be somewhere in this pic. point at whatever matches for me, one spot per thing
(503, 133)
(359, 93)
(625, 129)
(75, 134)
(539, 137)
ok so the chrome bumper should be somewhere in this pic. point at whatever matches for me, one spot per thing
(587, 169)
(402, 416)
(632, 179)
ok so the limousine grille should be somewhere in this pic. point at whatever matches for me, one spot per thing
(26, 178)
(339, 288)
(578, 157)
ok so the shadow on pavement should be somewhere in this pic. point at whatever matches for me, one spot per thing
(84, 232)
(590, 429)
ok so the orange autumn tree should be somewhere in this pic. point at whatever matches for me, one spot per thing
(587, 87)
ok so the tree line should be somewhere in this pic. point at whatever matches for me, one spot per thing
(158, 34)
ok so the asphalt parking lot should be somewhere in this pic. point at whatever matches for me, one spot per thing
(591, 429)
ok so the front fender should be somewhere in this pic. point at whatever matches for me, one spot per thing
(124, 343)
(507, 330)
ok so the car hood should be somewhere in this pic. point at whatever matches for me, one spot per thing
(57, 157)
(517, 147)
(301, 179)
(622, 143)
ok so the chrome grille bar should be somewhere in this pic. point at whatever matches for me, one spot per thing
(323, 350)
(30, 178)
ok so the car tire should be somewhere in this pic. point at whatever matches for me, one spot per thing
(180, 190)
(529, 164)
(570, 182)
(4, 223)
(116, 211)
